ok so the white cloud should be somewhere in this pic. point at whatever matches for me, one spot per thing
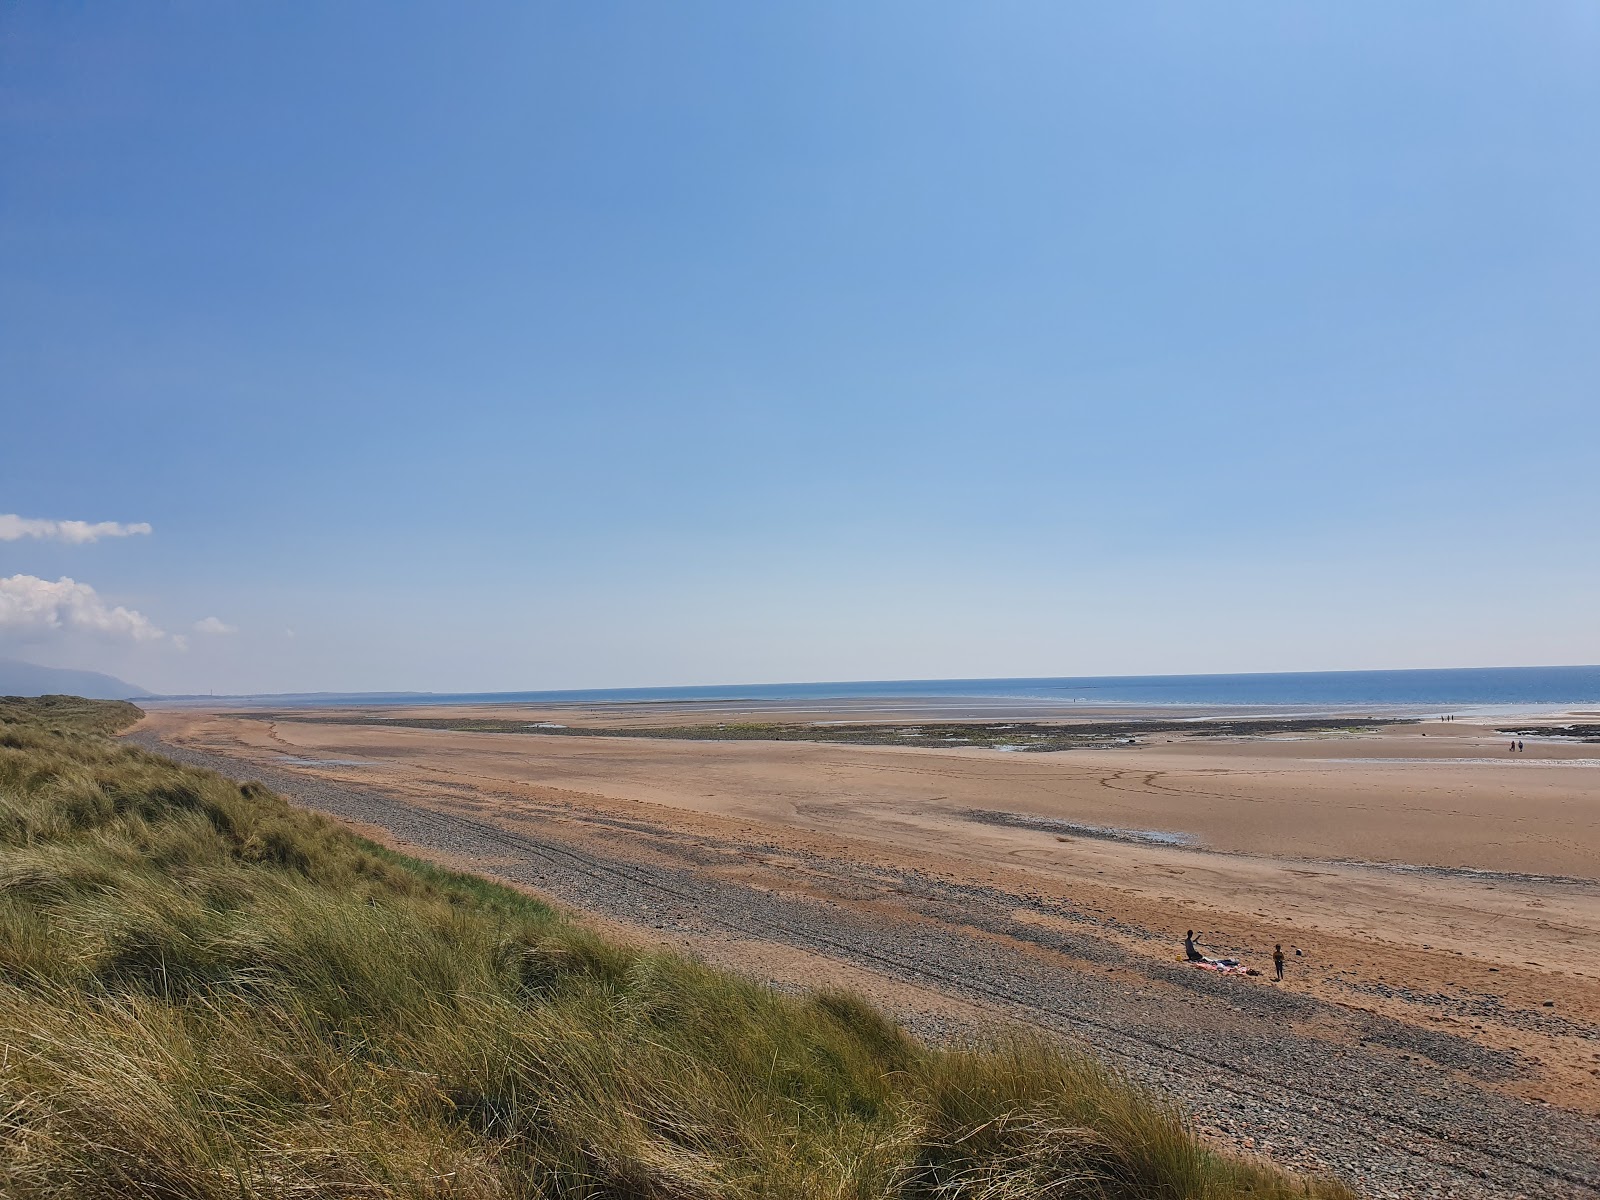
(214, 625)
(34, 605)
(14, 528)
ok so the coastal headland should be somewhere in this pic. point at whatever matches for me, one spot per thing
(1435, 892)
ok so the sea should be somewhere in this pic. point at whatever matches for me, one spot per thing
(1458, 689)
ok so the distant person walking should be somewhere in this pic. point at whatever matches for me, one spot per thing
(1190, 950)
(1277, 961)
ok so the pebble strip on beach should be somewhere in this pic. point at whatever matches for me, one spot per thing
(1398, 1112)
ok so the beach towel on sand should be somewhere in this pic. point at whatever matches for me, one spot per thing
(1223, 966)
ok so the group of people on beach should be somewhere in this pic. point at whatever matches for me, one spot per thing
(1514, 748)
(1191, 951)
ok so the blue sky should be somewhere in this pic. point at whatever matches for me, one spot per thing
(605, 344)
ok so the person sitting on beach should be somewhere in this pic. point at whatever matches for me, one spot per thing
(1190, 950)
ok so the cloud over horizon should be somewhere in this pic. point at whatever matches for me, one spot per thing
(14, 528)
(214, 625)
(32, 605)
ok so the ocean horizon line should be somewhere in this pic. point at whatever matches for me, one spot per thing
(1403, 686)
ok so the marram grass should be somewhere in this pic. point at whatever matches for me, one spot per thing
(205, 993)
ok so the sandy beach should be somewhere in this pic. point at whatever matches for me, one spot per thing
(1324, 820)
(1432, 884)
(1444, 839)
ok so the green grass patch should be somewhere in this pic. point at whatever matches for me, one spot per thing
(205, 992)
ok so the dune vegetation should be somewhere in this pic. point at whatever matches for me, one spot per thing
(205, 992)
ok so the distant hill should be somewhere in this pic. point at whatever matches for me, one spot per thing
(29, 679)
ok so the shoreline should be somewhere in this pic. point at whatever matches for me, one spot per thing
(888, 708)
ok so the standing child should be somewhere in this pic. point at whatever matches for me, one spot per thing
(1277, 960)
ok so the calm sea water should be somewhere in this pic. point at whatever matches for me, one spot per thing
(1455, 688)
